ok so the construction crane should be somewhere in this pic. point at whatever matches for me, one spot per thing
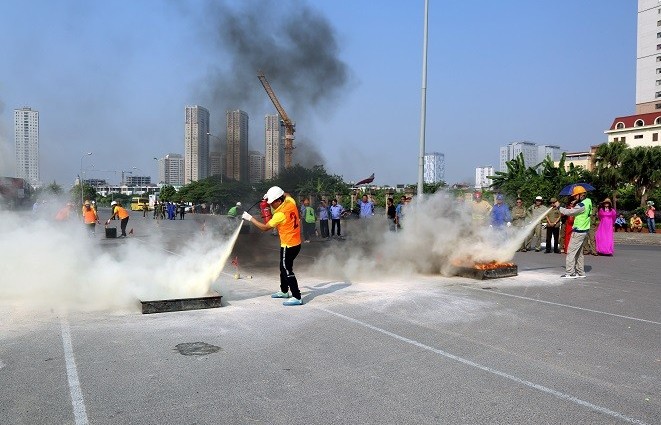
(290, 127)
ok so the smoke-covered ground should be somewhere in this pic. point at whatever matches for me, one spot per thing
(437, 235)
(51, 263)
(56, 264)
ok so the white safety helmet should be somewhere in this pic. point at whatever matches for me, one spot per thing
(273, 193)
(238, 204)
(113, 203)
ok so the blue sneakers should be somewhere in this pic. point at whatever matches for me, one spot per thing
(293, 301)
(280, 294)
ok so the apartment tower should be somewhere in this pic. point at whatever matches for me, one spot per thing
(171, 169)
(274, 157)
(648, 57)
(196, 144)
(237, 145)
(26, 140)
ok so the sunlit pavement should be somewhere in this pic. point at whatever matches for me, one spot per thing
(409, 349)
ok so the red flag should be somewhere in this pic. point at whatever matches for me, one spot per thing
(370, 179)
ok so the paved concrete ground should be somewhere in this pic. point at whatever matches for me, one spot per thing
(533, 349)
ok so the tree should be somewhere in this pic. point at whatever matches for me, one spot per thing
(641, 166)
(89, 193)
(167, 193)
(528, 182)
(608, 169)
(54, 188)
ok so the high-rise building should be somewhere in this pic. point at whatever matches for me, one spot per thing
(482, 179)
(256, 166)
(511, 151)
(196, 144)
(237, 145)
(548, 151)
(26, 140)
(138, 180)
(434, 168)
(171, 169)
(215, 156)
(274, 158)
(648, 57)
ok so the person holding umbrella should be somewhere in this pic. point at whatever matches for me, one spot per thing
(574, 262)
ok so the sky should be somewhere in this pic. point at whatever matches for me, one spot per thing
(113, 78)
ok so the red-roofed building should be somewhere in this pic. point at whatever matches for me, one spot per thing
(636, 130)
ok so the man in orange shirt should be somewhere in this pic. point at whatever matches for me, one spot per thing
(90, 218)
(121, 213)
(286, 220)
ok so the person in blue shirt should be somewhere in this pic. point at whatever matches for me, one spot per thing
(366, 206)
(323, 213)
(336, 211)
(399, 211)
(621, 223)
(500, 213)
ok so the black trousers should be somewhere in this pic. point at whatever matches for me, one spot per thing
(339, 228)
(555, 232)
(123, 224)
(323, 226)
(287, 277)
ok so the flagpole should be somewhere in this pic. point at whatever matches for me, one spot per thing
(423, 106)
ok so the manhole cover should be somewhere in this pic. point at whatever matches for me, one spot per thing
(196, 348)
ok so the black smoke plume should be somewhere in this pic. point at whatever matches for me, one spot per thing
(296, 48)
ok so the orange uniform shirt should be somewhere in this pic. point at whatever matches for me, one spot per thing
(89, 216)
(285, 219)
(120, 212)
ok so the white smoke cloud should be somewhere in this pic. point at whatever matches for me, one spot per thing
(56, 264)
(437, 235)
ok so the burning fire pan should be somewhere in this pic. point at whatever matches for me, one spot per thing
(504, 270)
(211, 300)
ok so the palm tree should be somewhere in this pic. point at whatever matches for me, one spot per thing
(641, 166)
(608, 164)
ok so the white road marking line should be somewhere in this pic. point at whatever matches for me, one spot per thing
(571, 306)
(467, 362)
(79, 412)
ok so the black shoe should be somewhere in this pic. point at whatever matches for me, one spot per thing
(537, 250)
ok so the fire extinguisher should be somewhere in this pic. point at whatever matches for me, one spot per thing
(265, 210)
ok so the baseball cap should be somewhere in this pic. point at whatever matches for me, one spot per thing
(539, 198)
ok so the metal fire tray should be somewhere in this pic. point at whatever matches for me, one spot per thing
(481, 274)
(211, 300)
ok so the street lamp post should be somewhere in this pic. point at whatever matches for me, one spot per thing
(81, 177)
(139, 176)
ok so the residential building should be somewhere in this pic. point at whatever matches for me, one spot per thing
(548, 151)
(26, 140)
(237, 145)
(138, 180)
(274, 135)
(256, 166)
(482, 179)
(215, 156)
(433, 168)
(648, 57)
(512, 150)
(196, 144)
(636, 130)
(171, 170)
